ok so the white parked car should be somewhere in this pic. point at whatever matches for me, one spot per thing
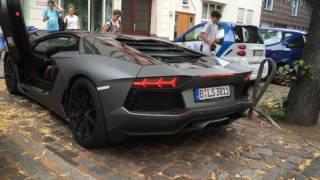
(240, 44)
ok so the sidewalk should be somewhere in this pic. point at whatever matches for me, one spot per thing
(35, 144)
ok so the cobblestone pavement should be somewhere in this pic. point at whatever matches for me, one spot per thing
(34, 144)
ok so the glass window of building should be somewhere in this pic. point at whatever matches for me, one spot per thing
(249, 17)
(240, 17)
(269, 5)
(208, 7)
(294, 7)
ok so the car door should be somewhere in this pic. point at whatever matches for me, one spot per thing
(296, 45)
(50, 49)
(14, 30)
(191, 39)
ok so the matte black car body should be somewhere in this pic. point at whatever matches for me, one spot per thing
(112, 63)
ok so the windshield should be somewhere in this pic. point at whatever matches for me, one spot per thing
(247, 34)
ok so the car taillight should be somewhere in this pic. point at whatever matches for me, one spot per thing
(242, 53)
(157, 82)
(247, 76)
(242, 46)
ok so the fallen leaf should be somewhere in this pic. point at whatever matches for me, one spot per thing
(270, 166)
(40, 156)
(305, 164)
(65, 174)
(213, 176)
(316, 155)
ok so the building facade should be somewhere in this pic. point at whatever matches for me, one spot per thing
(161, 18)
(294, 14)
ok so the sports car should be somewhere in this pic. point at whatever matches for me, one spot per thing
(109, 87)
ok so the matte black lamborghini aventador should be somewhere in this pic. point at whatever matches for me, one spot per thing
(109, 86)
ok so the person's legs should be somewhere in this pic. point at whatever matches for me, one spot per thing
(2, 54)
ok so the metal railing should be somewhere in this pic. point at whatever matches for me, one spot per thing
(258, 91)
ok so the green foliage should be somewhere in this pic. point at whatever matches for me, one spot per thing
(275, 108)
(298, 68)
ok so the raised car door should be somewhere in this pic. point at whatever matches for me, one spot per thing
(14, 30)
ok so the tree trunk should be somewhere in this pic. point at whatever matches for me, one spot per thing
(304, 97)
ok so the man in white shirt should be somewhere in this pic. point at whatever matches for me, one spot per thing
(209, 32)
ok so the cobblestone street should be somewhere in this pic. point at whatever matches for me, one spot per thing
(34, 144)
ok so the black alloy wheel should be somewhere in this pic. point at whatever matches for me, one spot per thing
(86, 115)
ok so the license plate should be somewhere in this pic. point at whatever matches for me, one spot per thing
(202, 94)
(258, 53)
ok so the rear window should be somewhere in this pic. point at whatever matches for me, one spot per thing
(247, 34)
(274, 36)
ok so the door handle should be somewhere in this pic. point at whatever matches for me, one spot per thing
(134, 27)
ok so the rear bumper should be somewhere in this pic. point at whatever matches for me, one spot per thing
(122, 123)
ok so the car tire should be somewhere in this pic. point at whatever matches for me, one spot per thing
(10, 75)
(281, 79)
(85, 112)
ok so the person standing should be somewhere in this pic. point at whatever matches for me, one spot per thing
(113, 24)
(71, 20)
(209, 32)
(51, 15)
(2, 43)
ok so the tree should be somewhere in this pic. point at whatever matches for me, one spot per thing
(304, 97)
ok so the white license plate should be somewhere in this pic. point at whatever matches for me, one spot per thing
(258, 53)
(202, 94)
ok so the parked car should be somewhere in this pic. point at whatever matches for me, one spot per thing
(285, 46)
(109, 87)
(241, 44)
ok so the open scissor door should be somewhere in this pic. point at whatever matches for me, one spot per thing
(14, 30)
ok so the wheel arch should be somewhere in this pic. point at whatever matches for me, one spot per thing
(68, 88)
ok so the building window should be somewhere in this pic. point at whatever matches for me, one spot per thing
(208, 7)
(240, 17)
(294, 7)
(269, 5)
(249, 17)
(108, 9)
